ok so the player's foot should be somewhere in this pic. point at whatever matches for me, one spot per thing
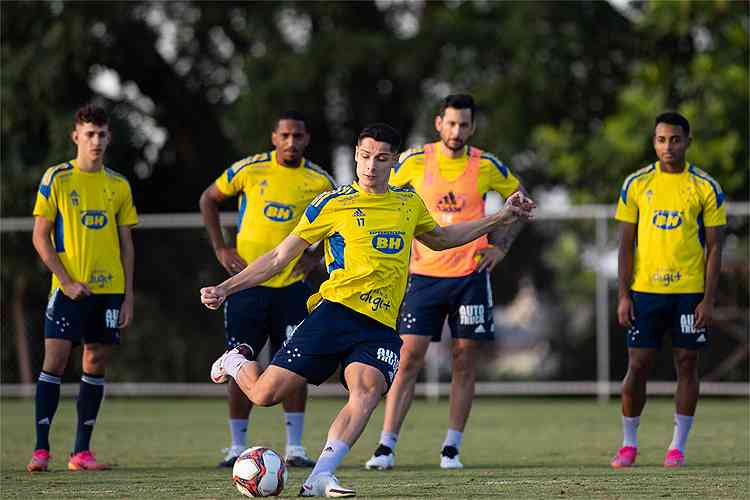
(296, 456)
(325, 485)
(231, 456)
(449, 458)
(218, 373)
(674, 458)
(85, 460)
(382, 459)
(39, 461)
(625, 457)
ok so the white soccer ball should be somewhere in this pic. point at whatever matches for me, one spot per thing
(259, 472)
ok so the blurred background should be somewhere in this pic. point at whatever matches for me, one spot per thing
(568, 92)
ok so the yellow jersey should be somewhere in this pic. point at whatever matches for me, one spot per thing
(671, 211)
(86, 208)
(454, 191)
(272, 198)
(367, 242)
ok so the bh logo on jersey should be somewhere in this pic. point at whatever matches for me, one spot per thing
(389, 242)
(667, 219)
(94, 219)
(278, 212)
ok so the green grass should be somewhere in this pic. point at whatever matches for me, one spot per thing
(514, 448)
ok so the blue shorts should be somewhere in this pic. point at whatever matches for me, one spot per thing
(657, 313)
(257, 315)
(92, 319)
(466, 301)
(334, 335)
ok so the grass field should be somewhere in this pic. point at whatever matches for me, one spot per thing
(515, 448)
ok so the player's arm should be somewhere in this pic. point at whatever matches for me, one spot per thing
(127, 256)
(705, 309)
(501, 240)
(261, 269)
(517, 206)
(209, 203)
(625, 314)
(43, 245)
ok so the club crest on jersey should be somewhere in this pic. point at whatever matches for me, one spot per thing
(667, 219)
(388, 242)
(451, 202)
(94, 219)
(278, 212)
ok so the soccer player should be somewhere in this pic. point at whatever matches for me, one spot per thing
(672, 217)
(368, 228)
(453, 179)
(273, 189)
(83, 215)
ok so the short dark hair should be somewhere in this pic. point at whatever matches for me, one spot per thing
(91, 113)
(458, 101)
(381, 132)
(674, 118)
(290, 115)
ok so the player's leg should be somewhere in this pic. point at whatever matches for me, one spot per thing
(239, 413)
(421, 318)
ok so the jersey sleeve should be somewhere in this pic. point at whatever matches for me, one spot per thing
(232, 181)
(46, 198)
(425, 221)
(317, 221)
(714, 208)
(627, 206)
(127, 215)
(403, 170)
(501, 178)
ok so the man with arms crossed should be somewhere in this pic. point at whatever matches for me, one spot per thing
(453, 179)
(672, 217)
(83, 215)
(273, 189)
(368, 228)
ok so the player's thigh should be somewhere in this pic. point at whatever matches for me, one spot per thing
(653, 312)
(362, 378)
(288, 309)
(425, 306)
(247, 318)
(471, 308)
(377, 346)
(101, 324)
(684, 333)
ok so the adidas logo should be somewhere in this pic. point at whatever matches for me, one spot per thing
(90, 422)
(328, 449)
(702, 338)
(44, 421)
(479, 329)
(358, 213)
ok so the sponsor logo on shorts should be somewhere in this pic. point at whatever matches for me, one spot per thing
(389, 357)
(388, 242)
(667, 219)
(94, 219)
(111, 318)
(471, 314)
(278, 212)
(375, 300)
(687, 325)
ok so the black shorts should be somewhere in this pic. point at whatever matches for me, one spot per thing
(94, 318)
(658, 313)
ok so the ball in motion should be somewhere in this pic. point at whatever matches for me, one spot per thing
(259, 472)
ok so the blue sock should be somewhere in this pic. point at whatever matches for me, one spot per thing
(89, 401)
(47, 398)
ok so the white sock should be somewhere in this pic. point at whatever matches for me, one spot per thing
(330, 458)
(233, 362)
(453, 438)
(238, 430)
(630, 431)
(682, 424)
(295, 424)
(389, 439)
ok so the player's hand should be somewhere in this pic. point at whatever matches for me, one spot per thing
(230, 260)
(517, 206)
(625, 311)
(489, 257)
(212, 297)
(75, 290)
(704, 313)
(126, 311)
(306, 264)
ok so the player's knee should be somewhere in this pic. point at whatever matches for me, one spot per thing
(639, 366)
(411, 362)
(464, 360)
(686, 364)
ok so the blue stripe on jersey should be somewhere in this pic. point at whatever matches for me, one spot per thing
(46, 189)
(314, 208)
(401, 162)
(701, 230)
(59, 234)
(261, 158)
(498, 164)
(714, 185)
(315, 168)
(629, 181)
(336, 244)
(243, 207)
